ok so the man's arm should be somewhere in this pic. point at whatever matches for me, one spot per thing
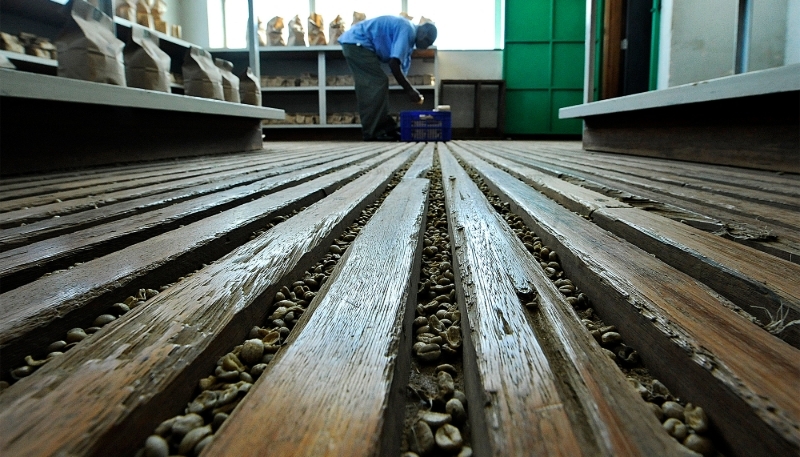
(413, 94)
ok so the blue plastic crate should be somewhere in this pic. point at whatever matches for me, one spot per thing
(425, 126)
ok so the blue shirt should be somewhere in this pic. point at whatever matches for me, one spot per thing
(387, 36)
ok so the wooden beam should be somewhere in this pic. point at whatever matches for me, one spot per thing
(31, 314)
(513, 357)
(749, 278)
(358, 332)
(688, 336)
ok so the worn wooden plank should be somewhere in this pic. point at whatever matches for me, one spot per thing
(25, 263)
(141, 365)
(422, 165)
(769, 214)
(31, 314)
(346, 350)
(775, 183)
(85, 199)
(786, 242)
(69, 223)
(549, 387)
(688, 335)
(749, 278)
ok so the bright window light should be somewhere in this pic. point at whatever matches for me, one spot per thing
(460, 25)
(287, 9)
(329, 9)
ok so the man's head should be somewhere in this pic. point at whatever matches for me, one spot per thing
(426, 35)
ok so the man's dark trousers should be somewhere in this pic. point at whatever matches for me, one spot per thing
(372, 91)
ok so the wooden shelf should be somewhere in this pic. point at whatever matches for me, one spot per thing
(310, 126)
(44, 87)
(290, 89)
(161, 36)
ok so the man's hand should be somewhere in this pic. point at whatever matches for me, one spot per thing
(415, 96)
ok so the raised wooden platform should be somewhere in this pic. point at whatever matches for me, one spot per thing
(749, 120)
(665, 251)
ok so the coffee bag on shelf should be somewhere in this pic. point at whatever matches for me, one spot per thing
(316, 30)
(358, 17)
(87, 47)
(249, 88)
(11, 43)
(275, 32)
(146, 65)
(297, 35)
(159, 13)
(126, 9)
(201, 78)
(335, 30)
(230, 82)
(144, 15)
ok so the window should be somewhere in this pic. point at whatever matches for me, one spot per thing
(472, 25)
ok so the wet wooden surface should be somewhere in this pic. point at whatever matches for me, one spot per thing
(763, 285)
(34, 259)
(687, 334)
(137, 366)
(752, 228)
(522, 382)
(61, 301)
(337, 375)
(112, 210)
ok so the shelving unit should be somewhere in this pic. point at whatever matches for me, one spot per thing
(82, 123)
(322, 100)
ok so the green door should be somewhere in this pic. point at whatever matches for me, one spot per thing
(543, 64)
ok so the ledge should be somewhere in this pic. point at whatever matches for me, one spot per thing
(763, 82)
(44, 87)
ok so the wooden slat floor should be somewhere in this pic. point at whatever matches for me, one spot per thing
(161, 279)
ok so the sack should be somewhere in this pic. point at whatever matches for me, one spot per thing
(249, 88)
(262, 33)
(358, 17)
(275, 32)
(335, 30)
(159, 13)
(127, 10)
(146, 65)
(11, 43)
(201, 78)
(316, 32)
(230, 82)
(143, 15)
(296, 33)
(87, 47)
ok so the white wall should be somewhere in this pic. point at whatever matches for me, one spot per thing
(703, 40)
(768, 34)
(792, 50)
(471, 64)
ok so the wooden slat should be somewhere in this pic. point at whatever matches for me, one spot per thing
(68, 223)
(748, 277)
(31, 314)
(139, 366)
(769, 214)
(85, 199)
(422, 164)
(350, 353)
(786, 246)
(775, 183)
(745, 378)
(521, 367)
(25, 263)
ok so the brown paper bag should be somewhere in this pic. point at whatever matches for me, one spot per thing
(230, 82)
(127, 10)
(143, 14)
(87, 47)
(146, 65)
(201, 78)
(335, 30)
(316, 30)
(11, 43)
(358, 17)
(159, 12)
(249, 88)
(275, 32)
(297, 35)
